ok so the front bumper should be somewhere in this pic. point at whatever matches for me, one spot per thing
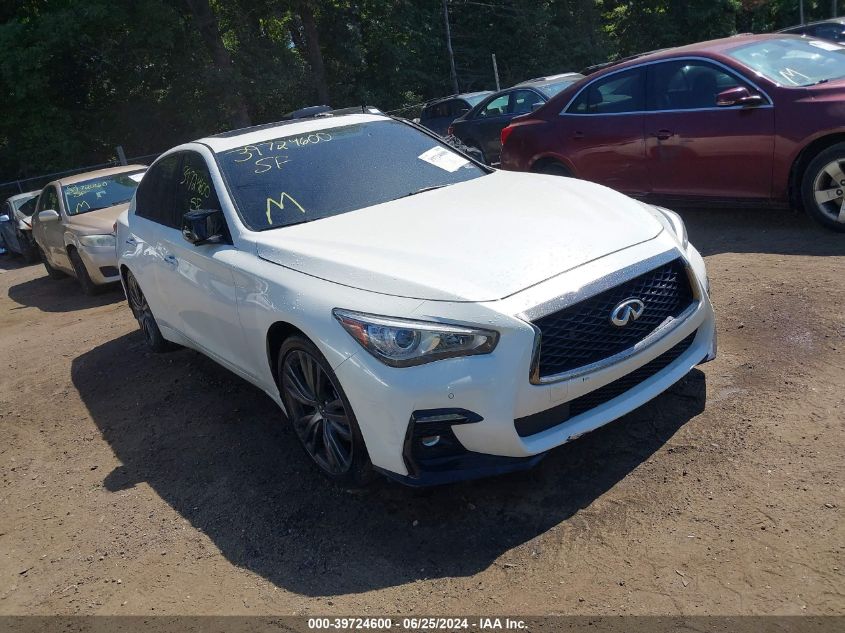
(515, 422)
(101, 263)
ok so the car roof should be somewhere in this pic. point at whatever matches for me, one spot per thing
(798, 27)
(89, 175)
(539, 82)
(711, 47)
(258, 133)
(21, 196)
(462, 95)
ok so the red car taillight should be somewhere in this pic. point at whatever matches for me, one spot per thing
(506, 132)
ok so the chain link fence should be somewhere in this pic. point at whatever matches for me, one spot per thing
(35, 183)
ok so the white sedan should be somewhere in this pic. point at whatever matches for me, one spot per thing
(411, 311)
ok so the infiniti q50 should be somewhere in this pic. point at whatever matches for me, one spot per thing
(411, 311)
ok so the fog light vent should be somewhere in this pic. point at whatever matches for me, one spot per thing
(430, 443)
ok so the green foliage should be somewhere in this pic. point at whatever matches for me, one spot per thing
(79, 77)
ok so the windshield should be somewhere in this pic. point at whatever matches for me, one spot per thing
(28, 206)
(794, 62)
(100, 193)
(22, 204)
(299, 178)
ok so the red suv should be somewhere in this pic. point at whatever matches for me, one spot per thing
(755, 118)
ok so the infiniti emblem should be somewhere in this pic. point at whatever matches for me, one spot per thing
(627, 311)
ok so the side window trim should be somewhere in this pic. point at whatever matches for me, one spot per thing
(644, 66)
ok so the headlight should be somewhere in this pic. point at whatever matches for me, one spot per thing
(97, 240)
(403, 342)
(674, 223)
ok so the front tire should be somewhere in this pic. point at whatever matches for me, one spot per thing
(146, 321)
(823, 188)
(320, 413)
(52, 273)
(88, 286)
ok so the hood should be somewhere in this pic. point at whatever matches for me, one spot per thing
(480, 240)
(96, 222)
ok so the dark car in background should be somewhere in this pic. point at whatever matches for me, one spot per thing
(438, 114)
(750, 118)
(480, 128)
(833, 30)
(16, 225)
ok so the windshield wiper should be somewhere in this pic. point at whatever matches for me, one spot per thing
(422, 190)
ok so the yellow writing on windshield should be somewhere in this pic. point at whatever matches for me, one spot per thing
(272, 202)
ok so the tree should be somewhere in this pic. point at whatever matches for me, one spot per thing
(223, 67)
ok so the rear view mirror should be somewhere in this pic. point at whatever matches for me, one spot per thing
(537, 106)
(48, 215)
(738, 96)
(204, 226)
(4, 218)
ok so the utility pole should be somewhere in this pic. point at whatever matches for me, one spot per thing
(496, 72)
(801, 11)
(452, 73)
(833, 10)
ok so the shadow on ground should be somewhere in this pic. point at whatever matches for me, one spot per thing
(772, 231)
(218, 451)
(60, 295)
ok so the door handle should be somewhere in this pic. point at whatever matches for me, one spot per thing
(171, 260)
(132, 241)
(663, 135)
(578, 134)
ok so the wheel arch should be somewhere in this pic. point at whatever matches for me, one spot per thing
(540, 162)
(276, 335)
(803, 159)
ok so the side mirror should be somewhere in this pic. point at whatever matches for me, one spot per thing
(738, 96)
(204, 226)
(48, 215)
(4, 218)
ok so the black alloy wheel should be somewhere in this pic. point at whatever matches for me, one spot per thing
(146, 321)
(320, 413)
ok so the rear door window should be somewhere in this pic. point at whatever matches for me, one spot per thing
(618, 93)
(497, 107)
(154, 198)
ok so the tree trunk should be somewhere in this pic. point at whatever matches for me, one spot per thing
(206, 23)
(312, 49)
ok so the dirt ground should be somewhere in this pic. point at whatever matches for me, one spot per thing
(141, 484)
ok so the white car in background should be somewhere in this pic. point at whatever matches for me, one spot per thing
(409, 309)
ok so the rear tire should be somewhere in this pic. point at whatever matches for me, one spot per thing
(88, 286)
(554, 169)
(52, 273)
(320, 413)
(477, 153)
(31, 255)
(146, 321)
(823, 188)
